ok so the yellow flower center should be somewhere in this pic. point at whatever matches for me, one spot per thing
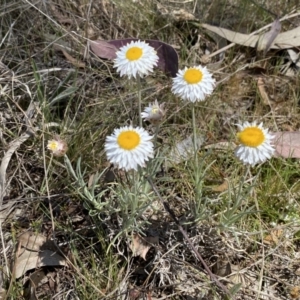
(128, 140)
(251, 137)
(134, 53)
(154, 110)
(193, 75)
(52, 145)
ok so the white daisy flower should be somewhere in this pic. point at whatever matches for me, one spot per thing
(129, 147)
(154, 113)
(136, 58)
(255, 143)
(193, 84)
(57, 146)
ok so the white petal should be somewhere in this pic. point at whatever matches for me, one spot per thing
(193, 92)
(129, 159)
(255, 155)
(143, 66)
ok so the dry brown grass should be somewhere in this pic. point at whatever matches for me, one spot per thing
(44, 54)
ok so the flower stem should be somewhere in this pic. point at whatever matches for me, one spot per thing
(196, 171)
(139, 99)
(194, 133)
(157, 127)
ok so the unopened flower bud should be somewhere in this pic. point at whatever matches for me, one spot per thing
(57, 146)
(154, 113)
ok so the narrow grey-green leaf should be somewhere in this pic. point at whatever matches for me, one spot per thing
(67, 92)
